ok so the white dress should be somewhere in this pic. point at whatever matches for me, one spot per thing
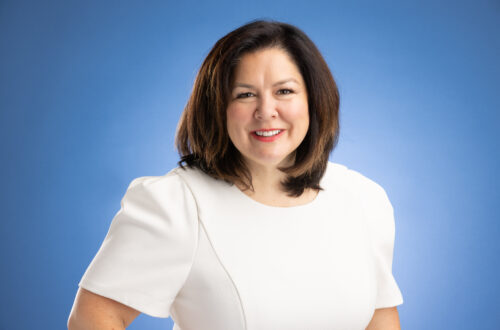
(198, 249)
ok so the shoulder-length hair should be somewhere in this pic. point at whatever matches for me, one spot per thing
(202, 138)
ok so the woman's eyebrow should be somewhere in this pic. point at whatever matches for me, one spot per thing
(281, 82)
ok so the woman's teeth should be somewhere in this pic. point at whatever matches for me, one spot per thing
(267, 133)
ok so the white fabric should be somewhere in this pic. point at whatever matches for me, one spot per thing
(198, 249)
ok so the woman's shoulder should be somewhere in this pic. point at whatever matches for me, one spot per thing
(174, 176)
(191, 181)
(339, 175)
(154, 182)
(371, 197)
(153, 193)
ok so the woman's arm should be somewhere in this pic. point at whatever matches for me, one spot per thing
(385, 319)
(92, 311)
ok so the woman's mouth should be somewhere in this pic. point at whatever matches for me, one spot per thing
(267, 135)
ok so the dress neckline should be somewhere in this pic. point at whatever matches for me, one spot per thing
(249, 200)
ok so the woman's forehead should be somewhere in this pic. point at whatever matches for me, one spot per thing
(274, 66)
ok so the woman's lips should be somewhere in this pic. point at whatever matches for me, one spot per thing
(270, 138)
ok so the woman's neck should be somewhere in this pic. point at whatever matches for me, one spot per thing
(267, 188)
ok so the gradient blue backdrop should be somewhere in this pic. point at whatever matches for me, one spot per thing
(90, 95)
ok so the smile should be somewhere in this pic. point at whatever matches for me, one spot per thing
(268, 135)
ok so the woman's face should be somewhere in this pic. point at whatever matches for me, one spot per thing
(267, 115)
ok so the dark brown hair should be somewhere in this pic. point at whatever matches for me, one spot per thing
(202, 138)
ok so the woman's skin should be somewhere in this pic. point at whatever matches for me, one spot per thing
(385, 319)
(259, 102)
(94, 312)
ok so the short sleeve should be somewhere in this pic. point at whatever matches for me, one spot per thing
(381, 226)
(148, 251)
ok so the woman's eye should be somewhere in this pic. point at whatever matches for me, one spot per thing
(285, 91)
(244, 95)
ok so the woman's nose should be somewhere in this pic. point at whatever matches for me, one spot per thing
(266, 108)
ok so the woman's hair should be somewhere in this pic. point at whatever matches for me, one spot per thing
(202, 138)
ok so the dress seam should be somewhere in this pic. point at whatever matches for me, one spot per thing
(200, 223)
(228, 275)
(195, 250)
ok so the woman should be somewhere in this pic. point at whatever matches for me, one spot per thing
(255, 229)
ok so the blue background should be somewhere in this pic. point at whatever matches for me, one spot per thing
(90, 95)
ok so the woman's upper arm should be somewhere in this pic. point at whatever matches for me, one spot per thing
(92, 311)
(385, 319)
(150, 246)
